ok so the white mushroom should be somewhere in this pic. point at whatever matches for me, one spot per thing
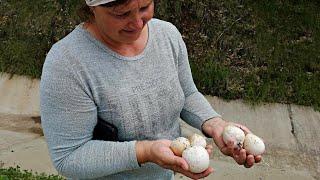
(179, 145)
(197, 158)
(254, 145)
(197, 140)
(235, 134)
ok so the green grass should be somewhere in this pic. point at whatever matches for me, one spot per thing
(16, 173)
(287, 43)
(27, 31)
(259, 51)
(289, 60)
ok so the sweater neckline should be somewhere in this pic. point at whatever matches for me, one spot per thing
(108, 50)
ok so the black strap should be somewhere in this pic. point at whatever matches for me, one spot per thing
(105, 131)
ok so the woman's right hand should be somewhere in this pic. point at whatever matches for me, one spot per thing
(159, 152)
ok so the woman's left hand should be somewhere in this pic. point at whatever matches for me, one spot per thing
(214, 128)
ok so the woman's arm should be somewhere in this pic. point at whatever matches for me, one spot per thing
(196, 109)
(198, 112)
(69, 115)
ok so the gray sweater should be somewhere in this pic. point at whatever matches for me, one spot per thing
(143, 96)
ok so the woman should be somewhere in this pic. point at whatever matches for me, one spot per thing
(132, 71)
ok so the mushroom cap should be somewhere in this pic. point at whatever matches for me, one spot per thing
(179, 145)
(197, 158)
(235, 134)
(254, 145)
(198, 140)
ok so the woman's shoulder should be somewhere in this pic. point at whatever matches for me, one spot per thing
(72, 45)
(164, 26)
(161, 23)
(74, 40)
(59, 52)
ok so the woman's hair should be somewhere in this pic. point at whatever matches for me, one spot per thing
(85, 14)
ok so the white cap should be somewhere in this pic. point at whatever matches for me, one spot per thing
(97, 2)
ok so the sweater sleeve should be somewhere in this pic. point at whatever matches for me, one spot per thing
(68, 115)
(196, 109)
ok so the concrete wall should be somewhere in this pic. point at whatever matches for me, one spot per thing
(19, 95)
(280, 125)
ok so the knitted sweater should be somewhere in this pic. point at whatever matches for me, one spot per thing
(143, 96)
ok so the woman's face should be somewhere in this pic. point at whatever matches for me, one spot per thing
(124, 23)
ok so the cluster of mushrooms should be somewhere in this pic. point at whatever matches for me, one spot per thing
(194, 152)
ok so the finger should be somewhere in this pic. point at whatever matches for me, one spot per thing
(209, 146)
(209, 149)
(246, 165)
(180, 162)
(250, 161)
(225, 151)
(230, 146)
(218, 140)
(240, 156)
(206, 173)
(244, 128)
(203, 174)
(258, 158)
(191, 175)
(228, 149)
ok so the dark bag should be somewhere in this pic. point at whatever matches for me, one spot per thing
(105, 131)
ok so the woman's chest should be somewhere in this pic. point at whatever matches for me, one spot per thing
(141, 105)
